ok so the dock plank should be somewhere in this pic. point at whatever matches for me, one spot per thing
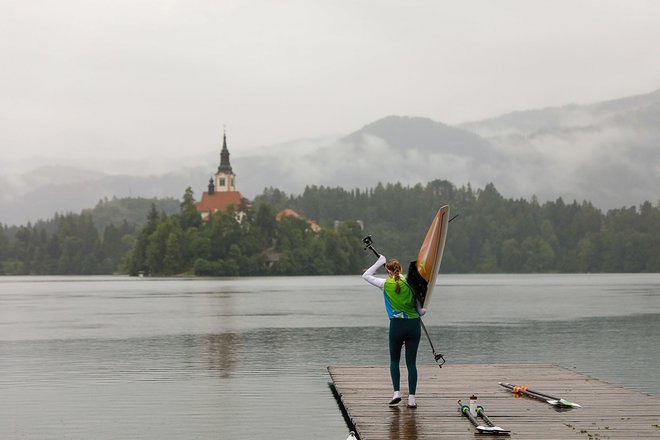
(608, 411)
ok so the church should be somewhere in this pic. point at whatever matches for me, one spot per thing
(222, 187)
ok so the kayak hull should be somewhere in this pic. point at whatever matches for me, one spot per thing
(423, 271)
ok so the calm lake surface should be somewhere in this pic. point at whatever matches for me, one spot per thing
(129, 358)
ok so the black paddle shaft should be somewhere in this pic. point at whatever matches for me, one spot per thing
(439, 357)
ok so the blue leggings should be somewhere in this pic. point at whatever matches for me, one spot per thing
(408, 332)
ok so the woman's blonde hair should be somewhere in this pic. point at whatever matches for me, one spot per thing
(394, 267)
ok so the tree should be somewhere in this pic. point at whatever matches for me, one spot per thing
(117, 242)
(539, 255)
(157, 248)
(137, 260)
(22, 249)
(173, 259)
(4, 243)
(79, 245)
(337, 253)
(488, 259)
(511, 256)
(636, 252)
(265, 224)
(587, 255)
(190, 217)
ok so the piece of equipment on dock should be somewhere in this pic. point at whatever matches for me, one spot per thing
(488, 428)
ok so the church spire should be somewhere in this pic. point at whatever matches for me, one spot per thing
(224, 167)
(224, 179)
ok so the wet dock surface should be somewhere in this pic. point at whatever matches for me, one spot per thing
(608, 411)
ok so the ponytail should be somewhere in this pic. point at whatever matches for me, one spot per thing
(395, 268)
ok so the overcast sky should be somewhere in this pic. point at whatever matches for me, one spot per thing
(138, 79)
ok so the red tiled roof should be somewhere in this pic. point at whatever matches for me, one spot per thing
(287, 212)
(219, 201)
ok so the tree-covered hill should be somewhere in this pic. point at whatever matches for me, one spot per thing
(256, 243)
(492, 234)
(94, 241)
(115, 211)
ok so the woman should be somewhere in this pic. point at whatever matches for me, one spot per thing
(405, 328)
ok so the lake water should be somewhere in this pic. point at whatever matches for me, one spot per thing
(129, 358)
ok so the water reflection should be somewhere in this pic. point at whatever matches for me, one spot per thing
(403, 423)
(220, 353)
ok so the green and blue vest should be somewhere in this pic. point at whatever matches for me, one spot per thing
(399, 305)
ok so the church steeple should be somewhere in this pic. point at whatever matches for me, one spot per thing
(224, 167)
(222, 189)
(225, 178)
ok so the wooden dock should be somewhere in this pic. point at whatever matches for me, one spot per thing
(608, 411)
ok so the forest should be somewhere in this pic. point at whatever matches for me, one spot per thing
(492, 234)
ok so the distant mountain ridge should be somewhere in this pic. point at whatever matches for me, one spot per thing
(639, 109)
(424, 134)
(607, 153)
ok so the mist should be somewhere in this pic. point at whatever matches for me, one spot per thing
(106, 99)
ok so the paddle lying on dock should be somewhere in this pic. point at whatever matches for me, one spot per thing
(490, 427)
(554, 401)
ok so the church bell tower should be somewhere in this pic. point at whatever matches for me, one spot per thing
(225, 179)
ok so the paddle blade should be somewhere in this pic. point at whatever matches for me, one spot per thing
(491, 430)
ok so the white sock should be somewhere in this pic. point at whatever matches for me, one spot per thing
(397, 395)
(411, 400)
